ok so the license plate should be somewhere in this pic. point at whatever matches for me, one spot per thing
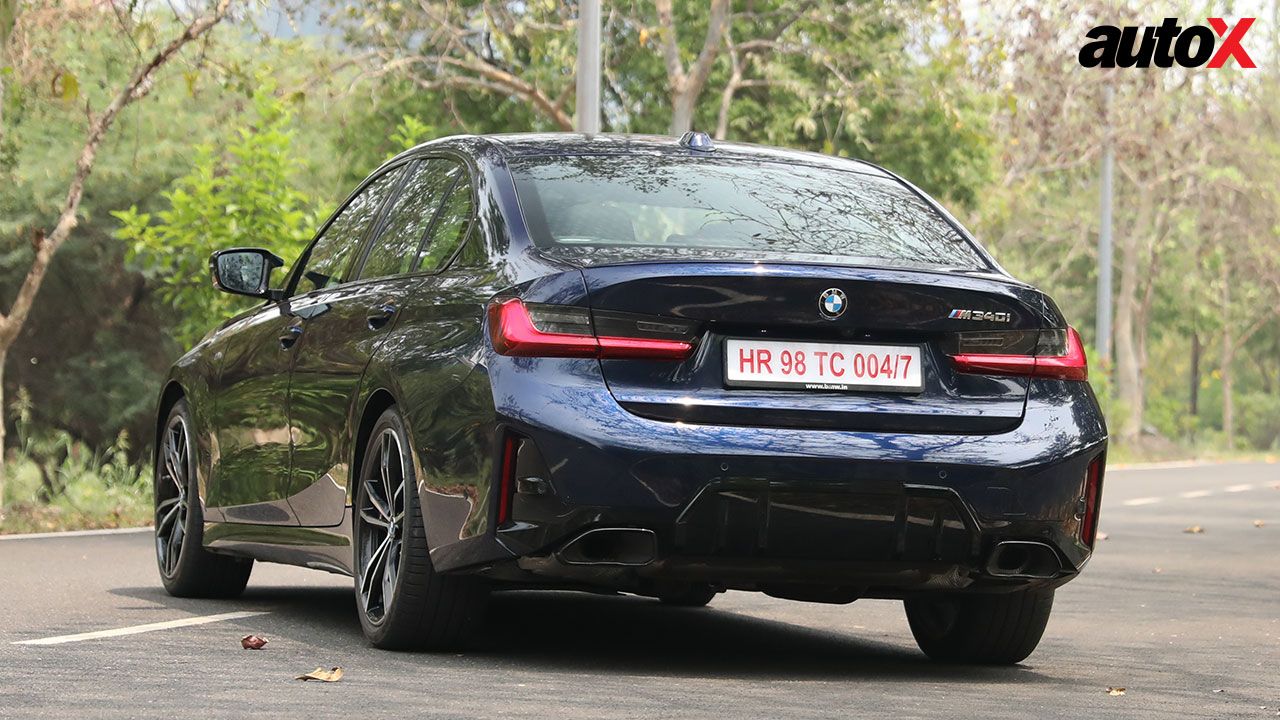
(822, 366)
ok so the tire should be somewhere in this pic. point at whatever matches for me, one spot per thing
(402, 602)
(980, 629)
(186, 568)
(694, 595)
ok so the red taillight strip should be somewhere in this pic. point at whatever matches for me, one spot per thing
(1092, 501)
(513, 333)
(507, 480)
(1071, 366)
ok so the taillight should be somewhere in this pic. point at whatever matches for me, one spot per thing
(1092, 501)
(522, 329)
(507, 479)
(1056, 354)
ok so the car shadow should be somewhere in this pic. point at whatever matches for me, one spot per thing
(604, 634)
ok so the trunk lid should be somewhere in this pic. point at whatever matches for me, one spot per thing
(780, 302)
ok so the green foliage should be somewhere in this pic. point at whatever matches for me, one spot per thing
(52, 481)
(411, 132)
(1260, 419)
(241, 196)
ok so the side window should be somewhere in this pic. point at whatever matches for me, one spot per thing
(450, 227)
(396, 249)
(332, 252)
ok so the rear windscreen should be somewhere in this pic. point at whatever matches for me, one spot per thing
(748, 209)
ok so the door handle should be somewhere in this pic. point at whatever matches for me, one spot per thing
(381, 316)
(290, 337)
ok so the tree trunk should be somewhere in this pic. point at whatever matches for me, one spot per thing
(1193, 404)
(1129, 380)
(682, 103)
(686, 85)
(4, 414)
(1228, 361)
(1228, 386)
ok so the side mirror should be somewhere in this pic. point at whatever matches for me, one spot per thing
(244, 271)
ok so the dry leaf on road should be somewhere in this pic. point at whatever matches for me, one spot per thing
(1157, 570)
(1259, 523)
(253, 642)
(1194, 530)
(1115, 691)
(1101, 536)
(322, 675)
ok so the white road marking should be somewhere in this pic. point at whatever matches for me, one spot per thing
(1196, 494)
(74, 533)
(1169, 465)
(136, 629)
(1142, 501)
(1238, 488)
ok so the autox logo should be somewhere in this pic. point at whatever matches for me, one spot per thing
(1168, 43)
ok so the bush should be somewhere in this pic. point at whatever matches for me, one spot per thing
(53, 482)
(1258, 419)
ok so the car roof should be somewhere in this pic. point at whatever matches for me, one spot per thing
(516, 145)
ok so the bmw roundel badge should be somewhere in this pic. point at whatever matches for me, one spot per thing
(831, 303)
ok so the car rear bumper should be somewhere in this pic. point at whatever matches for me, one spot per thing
(754, 508)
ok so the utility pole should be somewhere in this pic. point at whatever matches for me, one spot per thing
(588, 108)
(1104, 238)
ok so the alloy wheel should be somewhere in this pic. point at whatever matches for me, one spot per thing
(172, 483)
(382, 514)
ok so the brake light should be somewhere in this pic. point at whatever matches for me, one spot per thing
(518, 329)
(1092, 501)
(1058, 355)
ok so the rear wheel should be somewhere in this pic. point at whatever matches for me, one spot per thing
(186, 568)
(987, 629)
(403, 603)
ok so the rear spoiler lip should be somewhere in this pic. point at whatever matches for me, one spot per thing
(550, 255)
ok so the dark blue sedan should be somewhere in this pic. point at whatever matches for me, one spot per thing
(657, 366)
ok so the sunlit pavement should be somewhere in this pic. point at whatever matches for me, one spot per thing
(1187, 623)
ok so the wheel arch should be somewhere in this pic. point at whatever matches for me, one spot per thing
(172, 393)
(377, 403)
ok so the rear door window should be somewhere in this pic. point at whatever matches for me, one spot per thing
(396, 250)
(450, 227)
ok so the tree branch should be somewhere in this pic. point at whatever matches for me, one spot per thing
(138, 86)
(670, 45)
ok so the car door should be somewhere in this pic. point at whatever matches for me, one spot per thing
(249, 421)
(343, 328)
(432, 353)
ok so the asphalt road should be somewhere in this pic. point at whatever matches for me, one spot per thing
(1188, 623)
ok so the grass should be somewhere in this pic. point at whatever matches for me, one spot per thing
(81, 493)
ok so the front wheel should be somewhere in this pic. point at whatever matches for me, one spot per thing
(186, 568)
(404, 604)
(984, 629)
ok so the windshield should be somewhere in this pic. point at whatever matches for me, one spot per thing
(747, 210)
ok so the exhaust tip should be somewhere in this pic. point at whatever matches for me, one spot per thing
(611, 546)
(1024, 558)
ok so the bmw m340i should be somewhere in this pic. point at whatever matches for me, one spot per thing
(623, 364)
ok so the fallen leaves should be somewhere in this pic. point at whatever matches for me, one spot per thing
(1157, 571)
(1101, 536)
(1259, 523)
(1115, 691)
(329, 676)
(1194, 530)
(253, 642)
